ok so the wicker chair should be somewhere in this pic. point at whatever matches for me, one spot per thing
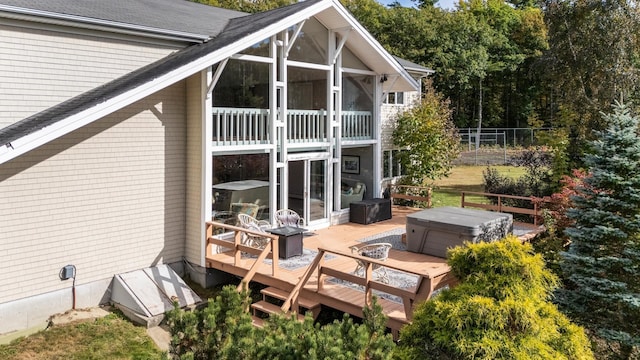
(250, 223)
(379, 251)
(286, 217)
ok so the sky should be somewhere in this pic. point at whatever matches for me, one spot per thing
(444, 4)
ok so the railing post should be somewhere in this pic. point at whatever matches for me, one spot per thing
(275, 248)
(462, 204)
(429, 198)
(208, 234)
(499, 203)
(237, 256)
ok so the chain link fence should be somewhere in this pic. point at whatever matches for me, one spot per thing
(494, 146)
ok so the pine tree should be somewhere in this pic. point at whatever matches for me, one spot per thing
(602, 265)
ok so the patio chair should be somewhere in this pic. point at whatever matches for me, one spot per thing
(244, 220)
(250, 223)
(287, 217)
(379, 251)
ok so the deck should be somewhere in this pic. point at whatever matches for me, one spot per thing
(328, 277)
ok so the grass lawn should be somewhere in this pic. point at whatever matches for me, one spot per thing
(447, 190)
(110, 337)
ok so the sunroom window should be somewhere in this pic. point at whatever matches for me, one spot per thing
(243, 84)
(311, 44)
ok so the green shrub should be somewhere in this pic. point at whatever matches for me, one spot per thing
(223, 330)
(500, 310)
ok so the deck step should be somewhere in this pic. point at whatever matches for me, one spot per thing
(283, 295)
(303, 303)
(265, 307)
(257, 322)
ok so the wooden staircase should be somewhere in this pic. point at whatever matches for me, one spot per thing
(272, 299)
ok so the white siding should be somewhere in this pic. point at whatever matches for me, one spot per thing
(108, 198)
(389, 114)
(41, 68)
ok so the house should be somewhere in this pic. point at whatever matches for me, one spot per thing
(125, 125)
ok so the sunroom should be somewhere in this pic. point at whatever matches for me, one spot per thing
(295, 122)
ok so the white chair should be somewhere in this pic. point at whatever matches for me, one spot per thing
(379, 251)
(287, 217)
(260, 226)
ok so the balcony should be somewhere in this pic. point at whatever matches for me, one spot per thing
(245, 126)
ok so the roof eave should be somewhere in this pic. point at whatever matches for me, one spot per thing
(45, 17)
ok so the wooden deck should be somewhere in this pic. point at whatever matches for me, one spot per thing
(317, 280)
(431, 272)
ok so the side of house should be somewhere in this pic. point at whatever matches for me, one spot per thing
(117, 138)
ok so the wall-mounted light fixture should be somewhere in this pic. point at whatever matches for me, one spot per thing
(383, 78)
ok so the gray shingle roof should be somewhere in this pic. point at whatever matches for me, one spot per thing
(411, 66)
(173, 15)
(236, 30)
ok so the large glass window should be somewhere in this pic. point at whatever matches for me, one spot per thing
(311, 44)
(240, 185)
(259, 49)
(307, 89)
(243, 84)
(392, 165)
(357, 93)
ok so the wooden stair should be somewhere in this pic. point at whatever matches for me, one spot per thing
(304, 304)
(265, 307)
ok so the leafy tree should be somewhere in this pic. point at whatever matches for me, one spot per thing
(249, 6)
(500, 310)
(592, 61)
(431, 140)
(602, 265)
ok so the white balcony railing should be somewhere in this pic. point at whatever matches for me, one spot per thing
(240, 126)
(245, 126)
(357, 125)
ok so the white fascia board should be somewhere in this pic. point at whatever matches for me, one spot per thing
(375, 44)
(87, 116)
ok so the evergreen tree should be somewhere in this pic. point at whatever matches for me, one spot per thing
(500, 310)
(602, 265)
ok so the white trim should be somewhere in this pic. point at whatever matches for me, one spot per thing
(306, 65)
(206, 158)
(319, 155)
(338, 50)
(253, 58)
(216, 76)
(242, 149)
(358, 71)
(296, 32)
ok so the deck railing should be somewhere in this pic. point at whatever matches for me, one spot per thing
(420, 194)
(250, 126)
(238, 247)
(500, 206)
(423, 291)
